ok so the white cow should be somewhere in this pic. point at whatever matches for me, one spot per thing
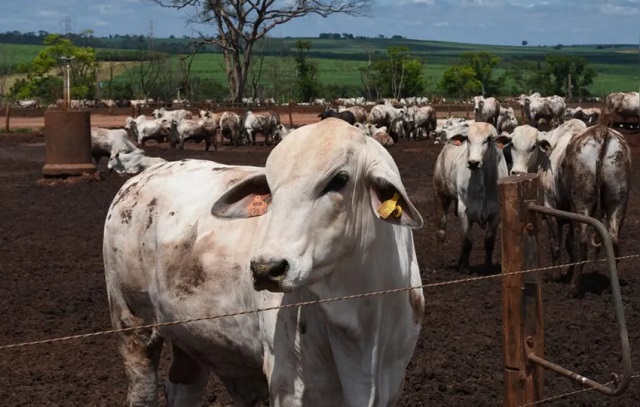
(172, 114)
(107, 142)
(589, 116)
(143, 129)
(383, 115)
(264, 123)
(230, 124)
(586, 172)
(625, 104)
(507, 121)
(422, 120)
(550, 108)
(466, 174)
(132, 162)
(486, 110)
(327, 217)
(192, 130)
(280, 133)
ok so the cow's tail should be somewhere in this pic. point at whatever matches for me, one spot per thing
(601, 133)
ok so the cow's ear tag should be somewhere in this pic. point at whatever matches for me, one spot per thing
(258, 206)
(390, 207)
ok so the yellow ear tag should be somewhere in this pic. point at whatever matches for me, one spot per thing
(390, 207)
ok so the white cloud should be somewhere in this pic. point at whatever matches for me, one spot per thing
(441, 24)
(618, 10)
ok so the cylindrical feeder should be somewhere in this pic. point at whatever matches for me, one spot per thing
(67, 142)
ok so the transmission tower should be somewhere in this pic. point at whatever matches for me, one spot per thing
(67, 25)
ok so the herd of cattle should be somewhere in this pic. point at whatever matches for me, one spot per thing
(328, 216)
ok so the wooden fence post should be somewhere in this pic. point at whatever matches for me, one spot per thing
(290, 116)
(466, 111)
(449, 109)
(7, 118)
(522, 323)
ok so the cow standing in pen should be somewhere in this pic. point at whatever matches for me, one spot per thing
(327, 217)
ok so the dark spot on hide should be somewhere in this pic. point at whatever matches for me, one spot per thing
(115, 249)
(109, 217)
(185, 271)
(220, 169)
(172, 213)
(126, 216)
(303, 327)
(150, 206)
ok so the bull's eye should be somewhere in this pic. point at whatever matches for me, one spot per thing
(337, 182)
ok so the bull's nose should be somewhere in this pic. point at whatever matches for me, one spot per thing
(516, 172)
(268, 272)
(473, 164)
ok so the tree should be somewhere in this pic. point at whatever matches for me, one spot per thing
(240, 24)
(461, 81)
(484, 65)
(397, 75)
(525, 43)
(306, 73)
(564, 67)
(5, 70)
(44, 73)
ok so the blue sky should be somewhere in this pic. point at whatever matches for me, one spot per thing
(479, 21)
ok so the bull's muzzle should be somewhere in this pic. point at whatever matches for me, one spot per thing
(268, 275)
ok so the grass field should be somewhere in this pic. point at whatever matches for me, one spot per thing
(339, 59)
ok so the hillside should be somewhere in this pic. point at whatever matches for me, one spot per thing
(339, 59)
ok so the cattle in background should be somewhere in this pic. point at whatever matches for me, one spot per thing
(132, 162)
(107, 142)
(624, 104)
(143, 129)
(264, 123)
(422, 119)
(537, 108)
(195, 238)
(169, 115)
(281, 132)
(399, 129)
(590, 116)
(27, 103)
(587, 172)
(466, 174)
(383, 115)
(359, 113)
(230, 128)
(192, 130)
(486, 110)
(507, 121)
(346, 115)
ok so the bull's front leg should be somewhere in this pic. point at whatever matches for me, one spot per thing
(441, 207)
(554, 229)
(490, 242)
(467, 241)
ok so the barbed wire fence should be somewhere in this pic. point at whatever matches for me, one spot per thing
(62, 339)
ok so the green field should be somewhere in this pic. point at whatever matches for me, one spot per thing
(339, 59)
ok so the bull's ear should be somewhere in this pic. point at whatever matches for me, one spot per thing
(249, 197)
(457, 140)
(389, 200)
(544, 145)
(502, 141)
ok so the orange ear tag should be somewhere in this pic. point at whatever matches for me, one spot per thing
(390, 207)
(257, 206)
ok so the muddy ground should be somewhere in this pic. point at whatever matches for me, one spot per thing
(52, 284)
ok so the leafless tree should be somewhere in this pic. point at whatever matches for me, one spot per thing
(256, 68)
(240, 24)
(365, 72)
(147, 70)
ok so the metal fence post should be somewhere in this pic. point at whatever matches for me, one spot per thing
(522, 323)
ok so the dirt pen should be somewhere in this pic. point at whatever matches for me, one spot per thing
(53, 286)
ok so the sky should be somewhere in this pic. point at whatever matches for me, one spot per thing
(503, 22)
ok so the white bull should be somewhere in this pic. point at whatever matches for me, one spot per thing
(132, 162)
(486, 110)
(466, 174)
(625, 104)
(327, 217)
(169, 115)
(107, 142)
